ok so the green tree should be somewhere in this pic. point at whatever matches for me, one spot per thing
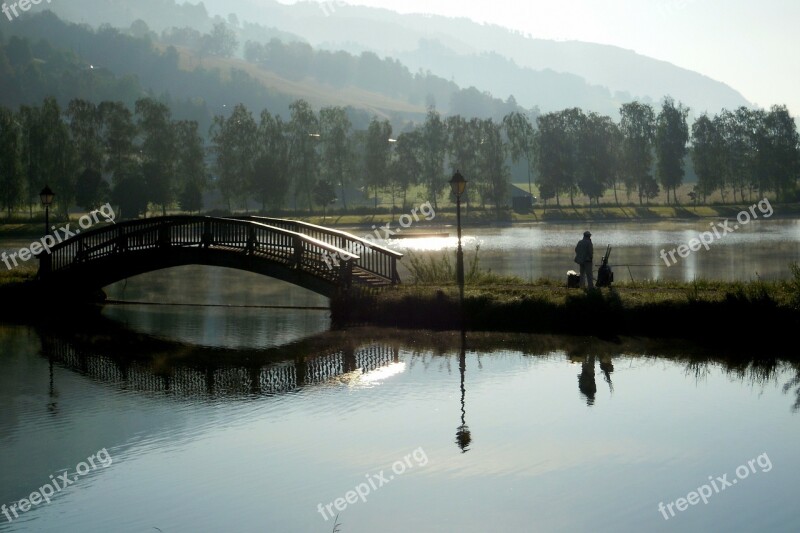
(738, 130)
(271, 172)
(91, 190)
(779, 152)
(336, 149)
(522, 141)
(130, 192)
(378, 150)
(464, 140)
(707, 156)
(637, 126)
(32, 140)
(221, 41)
(406, 166)
(597, 162)
(11, 183)
(492, 169)
(434, 146)
(117, 134)
(324, 194)
(557, 153)
(157, 151)
(671, 143)
(234, 142)
(303, 157)
(84, 126)
(58, 160)
(190, 166)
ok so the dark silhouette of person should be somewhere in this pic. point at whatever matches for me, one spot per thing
(584, 254)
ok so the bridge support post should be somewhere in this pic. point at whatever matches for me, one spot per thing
(122, 241)
(206, 240)
(45, 265)
(251, 240)
(346, 273)
(297, 244)
(164, 236)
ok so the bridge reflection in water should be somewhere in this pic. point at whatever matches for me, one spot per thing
(216, 378)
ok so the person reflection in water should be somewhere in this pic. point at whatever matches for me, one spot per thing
(586, 382)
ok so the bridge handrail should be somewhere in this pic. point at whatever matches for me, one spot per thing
(382, 263)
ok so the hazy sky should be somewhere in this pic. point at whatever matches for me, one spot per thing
(752, 45)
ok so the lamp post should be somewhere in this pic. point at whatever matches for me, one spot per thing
(46, 196)
(458, 185)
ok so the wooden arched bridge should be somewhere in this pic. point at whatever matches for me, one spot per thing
(320, 259)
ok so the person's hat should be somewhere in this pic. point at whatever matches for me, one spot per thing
(587, 233)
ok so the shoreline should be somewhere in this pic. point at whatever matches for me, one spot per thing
(719, 314)
(446, 216)
(704, 312)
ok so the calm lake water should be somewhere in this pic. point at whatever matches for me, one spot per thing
(204, 419)
(760, 249)
(244, 411)
(763, 248)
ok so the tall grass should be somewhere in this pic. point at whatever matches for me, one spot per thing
(442, 270)
(794, 284)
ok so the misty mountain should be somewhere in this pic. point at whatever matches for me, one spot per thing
(539, 73)
(41, 55)
(625, 74)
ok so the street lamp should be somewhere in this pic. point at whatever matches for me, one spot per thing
(458, 185)
(46, 196)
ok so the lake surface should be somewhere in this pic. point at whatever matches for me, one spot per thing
(208, 419)
(760, 249)
(234, 407)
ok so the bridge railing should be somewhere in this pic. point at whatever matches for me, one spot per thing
(373, 258)
(294, 249)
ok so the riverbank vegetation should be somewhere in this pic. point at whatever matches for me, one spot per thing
(715, 311)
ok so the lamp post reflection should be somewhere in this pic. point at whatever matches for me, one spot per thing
(52, 404)
(463, 436)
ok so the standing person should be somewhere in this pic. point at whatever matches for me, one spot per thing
(584, 253)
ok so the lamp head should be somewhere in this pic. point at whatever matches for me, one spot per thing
(458, 184)
(46, 196)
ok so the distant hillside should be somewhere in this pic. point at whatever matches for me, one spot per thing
(537, 73)
(41, 55)
(624, 73)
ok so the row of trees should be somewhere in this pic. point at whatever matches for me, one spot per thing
(745, 149)
(146, 157)
(142, 157)
(315, 157)
(575, 152)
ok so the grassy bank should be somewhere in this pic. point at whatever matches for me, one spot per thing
(702, 310)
